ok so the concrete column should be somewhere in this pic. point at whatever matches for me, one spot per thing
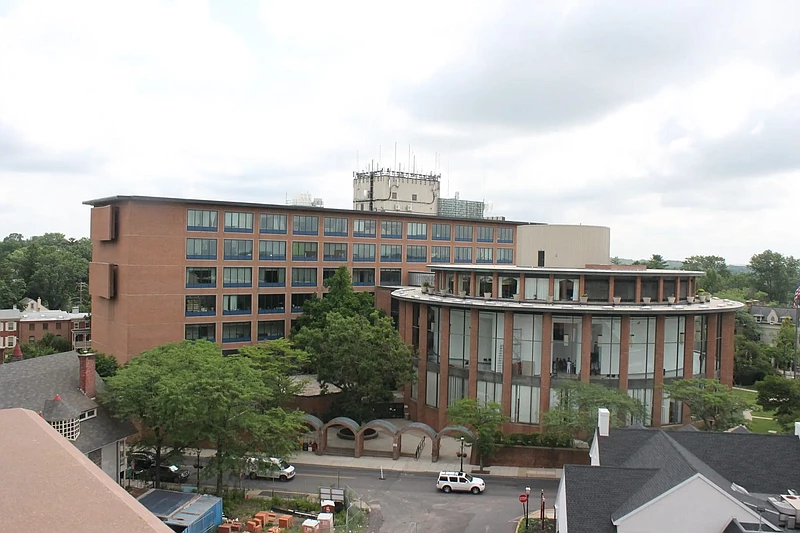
(359, 450)
(658, 371)
(586, 348)
(711, 350)
(726, 363)
(444, 368)
(474, 327)
(322, 442)
(435, 443)
(660, 288)
(508, 353)
(624, 351)
(422, 383)
(688, 354)
(547, 362)
(397, 446)
(638, 296)
(611, 289)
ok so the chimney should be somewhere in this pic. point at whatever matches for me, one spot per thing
(76, 310)
(39, 303)
(603, 421)
(87, 374)
(797, 429)
(17, 355)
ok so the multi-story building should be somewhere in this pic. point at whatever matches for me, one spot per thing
(9, 329)
(73, 326)
(458, 208)
(167, 269)
(390, 191)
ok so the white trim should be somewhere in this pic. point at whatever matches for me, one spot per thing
(594, 451)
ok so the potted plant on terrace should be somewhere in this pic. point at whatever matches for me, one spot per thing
(426, 287)
(617, 300)
(646, 299)
(584, 298)
(702, 295)
(671, 299)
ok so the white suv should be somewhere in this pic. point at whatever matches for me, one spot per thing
(460, 481)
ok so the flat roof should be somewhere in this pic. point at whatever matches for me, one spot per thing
(110, 200)
(515, 269)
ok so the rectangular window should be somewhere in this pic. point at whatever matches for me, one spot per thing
(237, 277)
(463, 233)
(201, 248)
(505, 235)
(391, 252)
(540, 258)
(201, 305)
(236, 332)
(304, 251)
(201, 277)
(271, 223)
(417, 230)
(58, 325)
(527, 345)
(605, 347)
(238, 249)
(201, 220)
(334, 251)
(413, 197)
(239, 222)
(271, 330)
(363, 277)
(417, 254)
(391, 276)
(271, 303)
(440, 254)
(642, 348)
(298, 300)
(327, 273)
(45, 326)
(305, 225)
(304, 277)
(364, 252)
(484, 255)
(271, 277)
(272, 250)
(335, 226)
(485, 234)
(237, 304)
(505, 256)
(440, 232)
(363, 228)
(463, 254)
(391, 229)
(196, 332)
(432, 390)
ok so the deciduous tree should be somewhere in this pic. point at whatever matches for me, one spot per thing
(656, 261)
(782, 395)
(715, 268)
(775, 274)
(709, 401)
(483, 420)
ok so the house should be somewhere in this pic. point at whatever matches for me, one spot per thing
(770, 320)
(690, 481)
(49, 485)
(9, 329)
(73, 326)
(62, 389)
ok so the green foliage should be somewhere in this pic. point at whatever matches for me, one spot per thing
(105, 365)
(709, 401)
(49, 344)
(715, 268)
(656, 262)
(575, 414)
(782, 395)
(775, 274)
(547, 440)
(784, 351)
(278, 360)
(751, 361)
(484, 420)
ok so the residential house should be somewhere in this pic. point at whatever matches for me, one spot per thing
(73, 326)
(9, 329)
(62, 389)
(770, 320)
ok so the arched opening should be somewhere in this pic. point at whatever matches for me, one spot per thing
(419, 441)
(377, 438)
(311, 438)
(448, 444)
(331, 443)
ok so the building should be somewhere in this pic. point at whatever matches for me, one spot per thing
(389, 191)
(9, 329)
(770, 320)
(458, 208)
(686, 480)
(167, 269)
(48, 484)
(187, 513)
(305, 199)
(62, 389)
(73, 326)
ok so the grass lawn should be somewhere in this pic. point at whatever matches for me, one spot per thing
(758, 425)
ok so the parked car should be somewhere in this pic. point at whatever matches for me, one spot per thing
(139, 463)
(461, 482)
(168, 473)
(268, 467)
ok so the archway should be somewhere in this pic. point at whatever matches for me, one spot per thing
(380, 426)
(339, 421)
(447, 432)
(428, 434)
(316, 425)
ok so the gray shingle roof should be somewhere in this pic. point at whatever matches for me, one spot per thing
(10, 314)
(56, 410)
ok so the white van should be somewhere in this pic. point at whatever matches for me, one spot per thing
(460, 481)
(268, 467)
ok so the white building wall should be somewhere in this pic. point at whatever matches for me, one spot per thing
(110, 460)
(565, 246)
(561, 506)
(403, 190)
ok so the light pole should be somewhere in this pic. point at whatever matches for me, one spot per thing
(461, 455)
(527, 506)
(541, 514)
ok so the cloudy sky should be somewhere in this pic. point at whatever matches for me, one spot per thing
(677, 125)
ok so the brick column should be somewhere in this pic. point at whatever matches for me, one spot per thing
(611, 288)
(547, 363)
(711, 347)
(408, 321)
(581, 285)
(688, 363)
(551, 287)
(658, 371)
(444, 367)
(508, 353)
(638, 296)
(473, 284)
(660, 288)
(474, 328)
(521, 287)
(422, 373)
(678, 289)
(624, 351)
(586, 347)
(726, 363)
(495, 285)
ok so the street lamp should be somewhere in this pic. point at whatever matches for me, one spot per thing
(527, 506)
(461, 455)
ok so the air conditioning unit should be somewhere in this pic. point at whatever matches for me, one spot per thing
(408, 207)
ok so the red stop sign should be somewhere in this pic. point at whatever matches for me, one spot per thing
(523, 498)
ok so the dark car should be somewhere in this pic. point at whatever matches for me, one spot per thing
(168, 473)
(140, 463)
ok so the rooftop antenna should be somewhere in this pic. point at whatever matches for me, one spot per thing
(379, 157)
(448, 176)
(395, 156)
(408, 168)
(357, 161)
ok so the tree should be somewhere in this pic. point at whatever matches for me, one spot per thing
(746, 323)
(709, 401)
(782, 395)
(105, 365)
(715, 268)
(11, 292)
(784, 350)
(616, 260)
(656, 262)
(483, 420)
(278, 361)
(751, 362)
(575, 413)
(774, 274)
(49, 344)
(364, 357)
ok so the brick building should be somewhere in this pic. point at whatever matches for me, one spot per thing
(9, 329)
(73, 326)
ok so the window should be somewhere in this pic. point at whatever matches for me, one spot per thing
(363, 277)
(413, 197)
(417, 230)
(71, 430)
(485, 234)
(31, 327)
(524, 404)
(239, 222)
(565, 289)
(394, 196)
(45, 326)
(327, 273)
(509, 286)
(363, 228)
(642, 348)
(11, 326)
(237, 304)
(484, 255)
(201, 277)
(391, 252)
(440, 232)
(364, 252)
(271, 303)
(304, 277)
(12, 341)
(391, 230)
(201, 305)
(440, 254)
(505, 256)
(334, 251)
(505, 235)
(304, 251)
(540, 258)
(237, 277)
(463, 255)
(31, 339)
(490, 342)
(194, 332)
(391, 276)
(674, 337)
(305, 225)
(417, 254)
(271, 277)
(270, 223)
(597, 288)
(605, 347)
(201, 220)
(463, 233)
(335, 226)
(272, 250)
(238, 249)
(565, 349)
(298, 300)
(201, 248)
(86, 415)
(527, 345)
(271, 330)
(236, 332)
(432, 389)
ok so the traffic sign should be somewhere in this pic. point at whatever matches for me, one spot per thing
(523, 498)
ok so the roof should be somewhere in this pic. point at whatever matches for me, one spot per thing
(38, 316)
(10, 314)
(31, 383)
(312, 387)
(616, 272)
(52, 480)
(178, 507)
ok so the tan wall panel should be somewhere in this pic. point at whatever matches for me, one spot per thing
(564, 246)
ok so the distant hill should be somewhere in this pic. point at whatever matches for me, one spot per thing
(676, 265)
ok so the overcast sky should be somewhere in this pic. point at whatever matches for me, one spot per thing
(676, 125)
